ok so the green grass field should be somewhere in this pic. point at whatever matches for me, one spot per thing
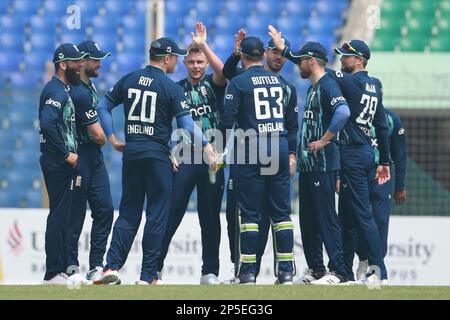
(226, 292)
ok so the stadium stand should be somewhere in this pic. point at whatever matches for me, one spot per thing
(30, 30)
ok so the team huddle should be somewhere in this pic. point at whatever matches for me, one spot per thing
(341, 140)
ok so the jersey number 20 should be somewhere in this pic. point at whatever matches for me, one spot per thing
(262, 107)
(137, 97)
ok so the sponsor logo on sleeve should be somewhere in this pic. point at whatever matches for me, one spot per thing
(336, 100)
(91, 114)
(54, 103)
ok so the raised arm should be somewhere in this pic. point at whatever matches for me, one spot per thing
(230, 69)
(199, 38)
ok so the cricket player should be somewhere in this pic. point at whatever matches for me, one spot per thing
(257, 101)
(204, 95)
(274, 63)
(150, 100)
(381, 195)
(364, 98)
(92, 182)
(59, 158)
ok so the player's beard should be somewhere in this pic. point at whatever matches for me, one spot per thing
(304, 74)
(92, 73)
(346, 69)
(72, 76)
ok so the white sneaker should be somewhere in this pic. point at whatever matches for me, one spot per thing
(372, 280)
(110, 277)
(76, 280)
(362, 270)
(385, 282)
(308, 277)
(209, 279)
(59, 279)
(328, 280)
(154, 282)
(94, 275)
(231, 281)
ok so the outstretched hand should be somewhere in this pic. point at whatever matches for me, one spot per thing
(238, 39)
(199, 37)
(276, 37)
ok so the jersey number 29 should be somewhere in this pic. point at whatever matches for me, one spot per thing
(366, 116)
(137, 97)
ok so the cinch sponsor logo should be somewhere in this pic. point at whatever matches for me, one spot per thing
(201, 111)
(336, 100)
(15, 239)
(229, 97)
(401, 131)
(54, 103)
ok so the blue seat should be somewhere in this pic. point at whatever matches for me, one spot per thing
(24, 80)
(8, 199)
(106, 41)
(12, 41)
(237, 8)
(10, 61)
(4, 6)
(255, 26)
(133, 25)
(55, 7)
(104, 24)
(42, 41)
(172, 30)
(12, 24)
(134, 43)
(26, 7)
(127, 62)
(118, 7)
(34, 199)
(74, 37)
(23, 120)
(208, 8)
(33, 65)
(224, 42)
(300, 8)
(88, 8)
(41, 24)
(268, 6)
(330, 8)
(29, 138)
(321, 25)
(291, 24)
(178, 9)
(225, 25)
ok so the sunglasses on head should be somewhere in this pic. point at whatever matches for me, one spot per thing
(347, 46)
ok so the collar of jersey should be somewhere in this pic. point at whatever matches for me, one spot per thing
(66, 86)
(157, 68)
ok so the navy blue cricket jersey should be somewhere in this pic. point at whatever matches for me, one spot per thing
(231, 69)
(257, 99)
(397, 148)
(57, 120)
(365, 100)
(84, 97)
(205, 100)
(150, 101)
(322, 99)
